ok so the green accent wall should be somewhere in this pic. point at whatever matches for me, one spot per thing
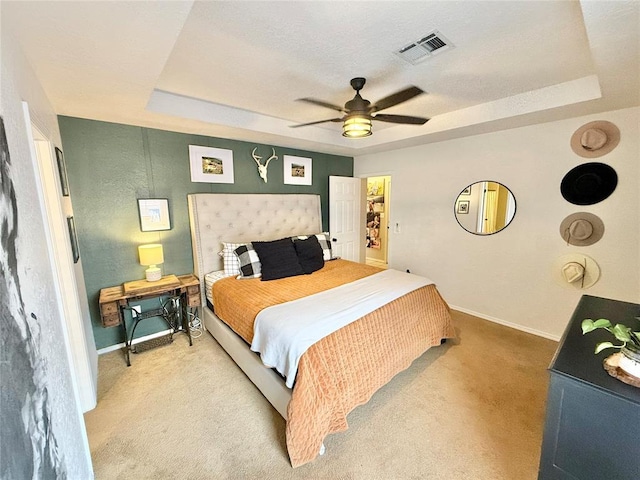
(111, 165)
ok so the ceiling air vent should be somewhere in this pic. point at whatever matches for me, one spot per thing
(431, 44)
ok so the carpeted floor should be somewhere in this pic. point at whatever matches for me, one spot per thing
(470, 409)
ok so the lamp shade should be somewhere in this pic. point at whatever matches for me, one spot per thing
(151, 255)
(356, 127)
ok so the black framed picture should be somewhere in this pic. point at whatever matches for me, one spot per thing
(463, 207)
(62, 171)
(73, 239)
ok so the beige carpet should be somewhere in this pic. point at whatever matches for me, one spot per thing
(471, 409)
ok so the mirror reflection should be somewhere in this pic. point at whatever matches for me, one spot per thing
(485, 208)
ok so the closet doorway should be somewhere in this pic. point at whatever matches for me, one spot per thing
(377, 219)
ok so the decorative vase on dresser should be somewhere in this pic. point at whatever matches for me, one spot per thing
(592, 426)
(630, 360)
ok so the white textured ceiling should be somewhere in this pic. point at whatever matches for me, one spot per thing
(234, 69)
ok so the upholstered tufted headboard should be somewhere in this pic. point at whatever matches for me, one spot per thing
(226, 217)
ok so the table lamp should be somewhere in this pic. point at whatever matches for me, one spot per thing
(151, 255)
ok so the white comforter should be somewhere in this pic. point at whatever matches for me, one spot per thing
(282, 333)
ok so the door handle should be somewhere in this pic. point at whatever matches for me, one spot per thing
(334, 239)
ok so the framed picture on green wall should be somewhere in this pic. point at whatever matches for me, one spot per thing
(297, 170)
(154, 214)
(211, 165)
(73, 238)
(62, 172)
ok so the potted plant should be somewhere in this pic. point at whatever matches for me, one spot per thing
(630, 349)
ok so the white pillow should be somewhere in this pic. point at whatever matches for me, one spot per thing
(211, 278)
(229, 259)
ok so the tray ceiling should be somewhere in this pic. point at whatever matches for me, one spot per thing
(235, 69)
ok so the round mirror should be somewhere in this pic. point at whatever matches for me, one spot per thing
(485, 208)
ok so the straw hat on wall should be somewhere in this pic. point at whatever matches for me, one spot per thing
(595, 139)
(575, 270)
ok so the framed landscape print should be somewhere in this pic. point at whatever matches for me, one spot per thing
(211, 165)
(297, 170)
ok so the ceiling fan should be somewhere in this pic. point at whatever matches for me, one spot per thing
(358, 112)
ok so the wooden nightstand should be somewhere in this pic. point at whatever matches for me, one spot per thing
(110, 301)
(183, 292)
(192, 285)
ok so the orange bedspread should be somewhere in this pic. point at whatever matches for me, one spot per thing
(346, 368)
(237, 302)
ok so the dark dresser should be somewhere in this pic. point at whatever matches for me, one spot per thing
(592, 426)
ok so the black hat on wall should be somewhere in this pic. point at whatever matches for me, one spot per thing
(589, 183)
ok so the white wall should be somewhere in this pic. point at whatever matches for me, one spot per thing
(33, 306)
(508, 277)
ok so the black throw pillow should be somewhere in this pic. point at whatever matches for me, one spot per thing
(278, 259)
(310, 254)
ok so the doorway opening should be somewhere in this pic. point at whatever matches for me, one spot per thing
(377, 220)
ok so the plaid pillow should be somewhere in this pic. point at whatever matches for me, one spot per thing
(325, 242)
(229, 259)
(249, 261)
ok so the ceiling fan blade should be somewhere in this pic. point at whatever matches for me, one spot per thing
(396, 98)
(322, 104)
(401, 119)
(319, 121)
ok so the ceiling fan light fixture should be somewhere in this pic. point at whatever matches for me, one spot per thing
(356, 127)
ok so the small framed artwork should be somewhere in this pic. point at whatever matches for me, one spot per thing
(211, 165)
(463, 207)
(73, 239)
(297, 170)
(154, 214)
(375, 187)
(62, 172)
(466, 191)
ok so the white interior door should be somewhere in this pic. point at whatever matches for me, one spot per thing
(72, 297)
(347, 213)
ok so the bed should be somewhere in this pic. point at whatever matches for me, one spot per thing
(343, 369)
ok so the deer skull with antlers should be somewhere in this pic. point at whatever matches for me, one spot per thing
(262, 169)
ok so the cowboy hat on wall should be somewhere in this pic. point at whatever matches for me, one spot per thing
(589, 183)
(581, 229)
(595, 139)
(576, 271)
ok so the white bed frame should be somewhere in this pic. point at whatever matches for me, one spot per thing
(219, 217)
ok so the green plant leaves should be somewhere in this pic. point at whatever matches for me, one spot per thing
(622, 332)
(589, 325)
(604, 345)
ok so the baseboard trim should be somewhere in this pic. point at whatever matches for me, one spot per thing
(533, 331)
(522, 328)
(118, 346)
